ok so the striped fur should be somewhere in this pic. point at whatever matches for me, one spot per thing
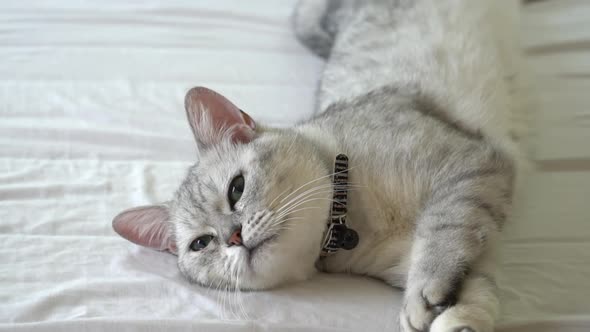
(414, 91)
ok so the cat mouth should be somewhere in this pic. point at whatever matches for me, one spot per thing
(261, 245)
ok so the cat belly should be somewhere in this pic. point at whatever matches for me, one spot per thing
(379, 254)
(385, 230)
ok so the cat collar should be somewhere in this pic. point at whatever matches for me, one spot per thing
(338, 235)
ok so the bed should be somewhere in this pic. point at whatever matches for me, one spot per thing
(92, 122)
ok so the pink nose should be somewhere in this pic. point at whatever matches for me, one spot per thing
(236, 238)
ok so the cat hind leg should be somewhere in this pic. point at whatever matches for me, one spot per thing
(316, 23)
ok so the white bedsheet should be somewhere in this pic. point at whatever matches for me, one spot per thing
(91, 122)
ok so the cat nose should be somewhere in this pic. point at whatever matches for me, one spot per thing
(236, 238)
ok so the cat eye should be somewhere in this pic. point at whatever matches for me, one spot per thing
(236, 189)
(201, 242)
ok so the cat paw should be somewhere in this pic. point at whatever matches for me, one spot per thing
(464, 329)
(455, 329)
(462, 318)
(423, 302)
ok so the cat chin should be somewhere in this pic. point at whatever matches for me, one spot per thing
(262, 248)
(274, 281)
(285, 257)
(267, 269)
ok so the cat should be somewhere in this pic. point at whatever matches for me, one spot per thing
(414, 93)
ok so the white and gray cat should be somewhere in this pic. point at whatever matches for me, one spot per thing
(414, 93)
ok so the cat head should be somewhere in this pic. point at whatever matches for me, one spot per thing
(251, 213)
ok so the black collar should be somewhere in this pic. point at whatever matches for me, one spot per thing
(338, 235)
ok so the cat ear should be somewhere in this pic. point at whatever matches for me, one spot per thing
(213, 118)
(147, 226)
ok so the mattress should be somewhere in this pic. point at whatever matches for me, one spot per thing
(92, 122)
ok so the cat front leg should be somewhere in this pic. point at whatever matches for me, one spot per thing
(450, 285)
(471, 307)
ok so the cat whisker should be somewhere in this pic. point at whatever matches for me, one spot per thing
(332, 186)
(231, 294)
(295, 136)
(311, 192)
(241, 298)
(314, 180)
(228, 290)
(239, 291)
(337, 188)
(282, 221)
(288, 150)
(287, 219)
(281, 228)
(302, 186)
(289, 211)
(222, 292)
(308, 191)
(234, 288)
(226, 296)
(303, 200)
(277, 197)
(294, 202)
(280, 217)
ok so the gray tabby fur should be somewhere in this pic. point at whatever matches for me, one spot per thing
(414, 92)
